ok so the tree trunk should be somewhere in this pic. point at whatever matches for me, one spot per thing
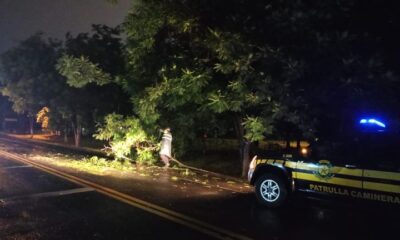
(246, 157)
(78, 136)
(31, 122)
(244, 145)
(238, 126)
(66, 134)
(77, 127)
(239, 133)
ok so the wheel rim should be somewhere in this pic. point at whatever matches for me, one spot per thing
(270, 190)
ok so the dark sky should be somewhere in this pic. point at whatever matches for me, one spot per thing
(21, 18)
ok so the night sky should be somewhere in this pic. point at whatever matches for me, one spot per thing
(21, 18)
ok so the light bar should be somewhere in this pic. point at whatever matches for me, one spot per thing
(372, 121)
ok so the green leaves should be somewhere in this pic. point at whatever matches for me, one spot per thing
(255, 128)
(128, 139)
(218, 102)
(80, 71)
(27, 74)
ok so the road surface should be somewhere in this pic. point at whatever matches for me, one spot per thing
(38, 205)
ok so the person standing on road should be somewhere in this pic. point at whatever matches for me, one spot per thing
(166, 146)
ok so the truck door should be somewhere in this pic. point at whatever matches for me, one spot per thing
(381, 154)
(333, 170)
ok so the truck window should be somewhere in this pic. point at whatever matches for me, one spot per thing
(381, 152)
(337, 152)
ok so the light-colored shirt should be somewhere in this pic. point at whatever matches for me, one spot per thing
(166, 144)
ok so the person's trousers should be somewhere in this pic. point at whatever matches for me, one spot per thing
(164, 159)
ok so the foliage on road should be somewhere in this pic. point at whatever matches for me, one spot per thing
(127, 139)
(181, 178)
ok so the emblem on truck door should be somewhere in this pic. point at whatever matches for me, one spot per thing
(324, 170)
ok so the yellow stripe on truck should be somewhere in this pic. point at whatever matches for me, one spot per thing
(290, 164)
(382, 175)
(383, 187)
(333, 180)
(347, 171)
(279, 162)
(267, 161)
(335, 170)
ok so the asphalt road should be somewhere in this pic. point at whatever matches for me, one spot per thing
(38, 205)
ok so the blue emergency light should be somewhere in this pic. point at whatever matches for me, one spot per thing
(370, 122)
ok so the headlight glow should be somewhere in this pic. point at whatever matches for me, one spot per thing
(253, 162)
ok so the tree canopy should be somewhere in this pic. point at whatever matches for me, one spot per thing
(272, 68)
(28, 77)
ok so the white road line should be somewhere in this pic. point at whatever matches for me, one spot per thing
(13, 167)
(49, 194)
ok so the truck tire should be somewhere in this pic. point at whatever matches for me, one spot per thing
(271, 190)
